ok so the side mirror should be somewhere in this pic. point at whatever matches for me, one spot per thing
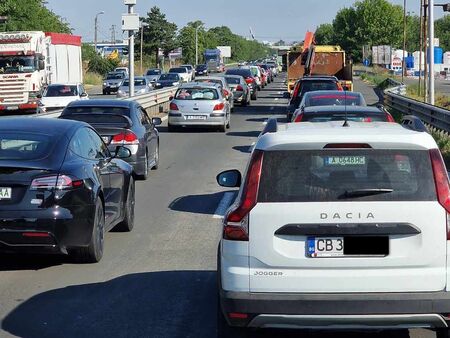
(170, 98)
(122, 152)
(156, 121)
(41, 64)
(229, 179)
(39, 96)
(83, 95)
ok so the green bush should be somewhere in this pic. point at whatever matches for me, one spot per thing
(101, 66)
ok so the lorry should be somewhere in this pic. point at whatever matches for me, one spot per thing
(31, 60)
(214, 60)
(311, 59)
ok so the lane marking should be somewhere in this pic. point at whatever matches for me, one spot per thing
(224, 204)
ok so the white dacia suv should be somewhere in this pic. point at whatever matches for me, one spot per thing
(337, 226)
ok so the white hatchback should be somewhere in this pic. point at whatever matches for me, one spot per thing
(57, 96)
(338, 227)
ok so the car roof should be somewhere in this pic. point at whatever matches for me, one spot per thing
(103, 103)
(221, 78)
(233, 75)
(318, 78)
(314, 136)
(332, 92)
(200, 84)
(342, 109)
(54, 127)
(64, 84)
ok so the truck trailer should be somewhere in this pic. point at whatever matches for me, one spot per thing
(29, 61)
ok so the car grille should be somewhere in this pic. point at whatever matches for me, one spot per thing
(13, 91)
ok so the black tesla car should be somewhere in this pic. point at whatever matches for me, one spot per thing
(123, 123)
(60, 188)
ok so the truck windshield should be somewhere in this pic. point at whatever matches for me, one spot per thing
(17, 64)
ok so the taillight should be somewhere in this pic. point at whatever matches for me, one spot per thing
(219, 106)
(125, 138)
(173, 106)
(367, 119)
(299, 118)
(340, 88)
(226, 92)
(442, 184)
(60, 182)
(239, 88)
(296, 90)
(347, 146)
(389, 118)
(249, 80)
(236, 221)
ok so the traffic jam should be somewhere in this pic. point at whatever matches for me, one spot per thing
(340, 220)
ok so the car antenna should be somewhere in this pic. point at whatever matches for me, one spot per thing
(345, 105)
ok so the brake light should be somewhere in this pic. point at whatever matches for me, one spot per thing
(236, 221)
(226, 92)
(389, 118)
(442, 184)
(249, 80)
(367, 119)
(239, 88)
(60, 182)
(219, 106)
(125, 138)
(173, 106)
(296, 90)
(299, 118)
(35, 234)
(347, 146)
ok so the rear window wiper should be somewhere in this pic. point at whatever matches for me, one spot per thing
(365, 192)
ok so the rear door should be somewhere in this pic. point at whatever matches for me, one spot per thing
(378, 208)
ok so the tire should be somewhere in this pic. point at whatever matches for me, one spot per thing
(171, 128)
(105, 92)
(223, 128)
(156, 166)
(93, 253)
(144, 176)
(245, 102)
(259, 88)
(226, 331)
(128, 220)
(254, 96)
(228, 126)
(442, 333)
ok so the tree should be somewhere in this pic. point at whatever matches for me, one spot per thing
(186, 40)
(412, 33)
(160, 33)
(443, 31)
(280, 43)
(325, 34)
(28, 15)
(345, 25)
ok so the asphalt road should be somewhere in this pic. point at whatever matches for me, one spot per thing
(160, 279)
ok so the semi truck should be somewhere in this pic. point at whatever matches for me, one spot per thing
(214, 60)
(31, 60)
(311, 59)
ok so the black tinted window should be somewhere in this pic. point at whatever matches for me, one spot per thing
(310, 86)
(332, 175)
(233, 80)
(101, 151)
(97, 110)
(242, 72)
(17, 146)
(83, 145)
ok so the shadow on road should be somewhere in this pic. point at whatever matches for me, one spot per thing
(199, 204)
(17, 262)
(254, 133)
(243, 149)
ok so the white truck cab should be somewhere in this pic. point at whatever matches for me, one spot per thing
(338, 227)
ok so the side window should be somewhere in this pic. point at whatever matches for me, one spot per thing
(143, 116)
(82, 144)
(81, 89)
(100, 149)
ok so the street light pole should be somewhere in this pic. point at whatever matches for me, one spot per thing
(431, 52)
(404, 42)
(96, 29)
(196, 44)
(143, 24)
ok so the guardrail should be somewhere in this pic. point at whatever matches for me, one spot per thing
(157, 101)
(435, 117)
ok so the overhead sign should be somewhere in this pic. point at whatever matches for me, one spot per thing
(225, 51)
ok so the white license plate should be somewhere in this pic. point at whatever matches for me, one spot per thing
(5, 193)
(12, 107)
(195, 117)
(318, 247)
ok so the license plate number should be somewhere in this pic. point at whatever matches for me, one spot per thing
(196, 117)
(318, 247)
(5, 193)
(345, 160)
(12, 107)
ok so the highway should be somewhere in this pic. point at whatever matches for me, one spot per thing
(159, 280)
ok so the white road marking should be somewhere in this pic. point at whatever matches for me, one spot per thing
(224, 205)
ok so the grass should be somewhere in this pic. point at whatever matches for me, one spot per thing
(93, 79)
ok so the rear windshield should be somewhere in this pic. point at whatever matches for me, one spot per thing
(310, 86)
(174, 77)
(341, 116)
(334, 100)
(210, 81)
(242, 72)
(17, 146)
(137, 83)
(197, 94)
(154, 72)
(178, 70)
(63, 90)
(346, 175)
(97, 110)
(233, 80)
(119, 121)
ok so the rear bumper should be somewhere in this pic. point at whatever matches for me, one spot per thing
(378, 310)
(210, 121)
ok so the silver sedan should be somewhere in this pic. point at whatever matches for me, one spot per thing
(199, 104)
(141, 86)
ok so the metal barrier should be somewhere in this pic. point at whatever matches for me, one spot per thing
(157, 101)
(435, 117)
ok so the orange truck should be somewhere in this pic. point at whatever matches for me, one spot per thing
(311, 59)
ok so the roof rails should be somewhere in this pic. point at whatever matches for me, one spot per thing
(412, 122)
(271, 126)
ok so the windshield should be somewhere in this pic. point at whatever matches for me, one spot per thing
(17, 64)
(116, 76)
(137, 83)
(233, 80)
(60, 90)
(17, 146)
(197, 94)
(178, 70)
(334, 100)
(200, 67)
(172, 77)
(154, 72)
(255, 71)
(310, 86)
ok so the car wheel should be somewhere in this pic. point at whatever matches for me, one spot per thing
(104, 92)
(228, 126)
(223, 128)
(245, 102)
(93, 253)
(171, 128)
(155, 167)
(144, 175)
(128, 220)
(442, 333)
(254, 96)
(226, 331)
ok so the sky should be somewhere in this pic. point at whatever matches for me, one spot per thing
(270, 20)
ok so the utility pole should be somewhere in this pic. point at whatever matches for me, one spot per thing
(96, 29)
(404, 42)
(130, 23)
(426, 45)
(196, 44)
(113, 34)
(421, 48)
(431, 44)
(143, 24)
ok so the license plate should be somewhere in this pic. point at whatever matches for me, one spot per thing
(12, 107)
(345, 160)
(105, 139)
(325, 247)
(5, 193)
(195, 117)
